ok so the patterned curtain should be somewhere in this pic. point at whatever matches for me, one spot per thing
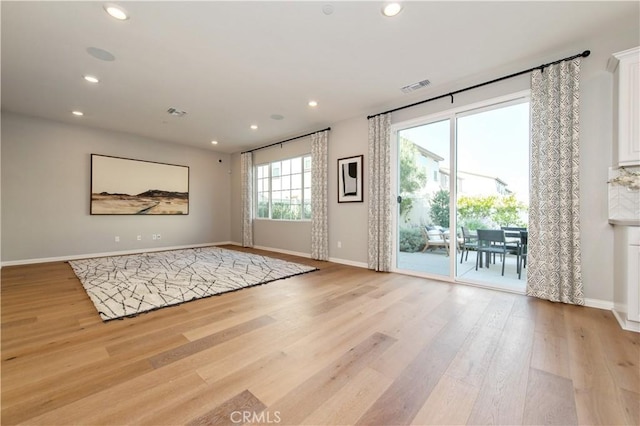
(246, 167)
(554, 216)
(379, 258)
(319, 197)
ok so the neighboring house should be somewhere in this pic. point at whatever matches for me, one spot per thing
(429, 162)
(475, 184)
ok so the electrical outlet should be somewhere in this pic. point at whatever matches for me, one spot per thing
(339, 244)
(117, 239)
(158, 236)
(154, 237)
(139, 237)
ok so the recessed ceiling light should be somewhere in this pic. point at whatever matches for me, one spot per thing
(391, 9)
(254, 127)
(116, 12)
(313, 104)
(91, 79)
(78, 113)
(214, 142)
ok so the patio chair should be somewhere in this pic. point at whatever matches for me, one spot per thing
(434, 238)
(516, 241)
(470, 242)
(490, 241)
(524, 242)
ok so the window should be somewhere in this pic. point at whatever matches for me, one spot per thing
(284, 189)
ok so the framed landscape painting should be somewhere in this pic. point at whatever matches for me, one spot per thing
(350, 179)
(122, 186)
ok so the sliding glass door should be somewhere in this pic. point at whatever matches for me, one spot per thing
(493, 189)
(458, 173)
(423, 202)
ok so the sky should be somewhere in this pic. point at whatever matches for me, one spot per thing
(119, 175)
(493, 143)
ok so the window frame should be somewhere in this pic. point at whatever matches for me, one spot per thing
(305, 185)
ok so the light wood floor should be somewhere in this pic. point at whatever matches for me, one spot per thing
(342, 345)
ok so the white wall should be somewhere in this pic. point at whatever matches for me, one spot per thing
(348, 221)
(46, 184)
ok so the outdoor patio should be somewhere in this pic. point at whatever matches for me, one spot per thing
(437, 263)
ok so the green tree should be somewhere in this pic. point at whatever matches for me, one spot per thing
(507, 211)
(440, 208)
(490, 210)
(473, 212)
(412, 178)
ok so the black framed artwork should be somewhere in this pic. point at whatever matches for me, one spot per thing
(124, 186)
(350, 179)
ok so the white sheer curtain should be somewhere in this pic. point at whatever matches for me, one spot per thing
(554, 216)
(379, 257)
(246, 168)
(319, 197)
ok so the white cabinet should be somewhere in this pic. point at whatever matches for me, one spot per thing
(626, 67)
(627, 276)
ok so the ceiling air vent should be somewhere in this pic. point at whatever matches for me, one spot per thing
(415, 86)
(176, 112)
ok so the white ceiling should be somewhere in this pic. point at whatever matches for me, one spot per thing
(233, 64)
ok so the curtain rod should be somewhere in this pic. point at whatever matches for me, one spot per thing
(288, 140)
(450, 94)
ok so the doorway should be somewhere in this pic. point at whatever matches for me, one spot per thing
(465, 169)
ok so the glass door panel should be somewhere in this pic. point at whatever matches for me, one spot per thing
(423, 202)
(493, 188)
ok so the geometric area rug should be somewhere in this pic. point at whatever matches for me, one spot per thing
(124, 286)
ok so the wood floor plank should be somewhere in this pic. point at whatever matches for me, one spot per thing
(126, 401)
(499, 312)
(459, 354)
(550, 353)
(450, 403)
(400, 403)
(19, 371)
(549, 400)
(242, 408)
(188, 349)
(622, 359)
(302, 400)
(44, 396)
(194, 404)
(472, 362)
(324, 346)
(595, 391)
(631, 404)
(503, 392)
(350, 402)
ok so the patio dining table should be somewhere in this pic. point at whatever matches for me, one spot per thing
(512, 240)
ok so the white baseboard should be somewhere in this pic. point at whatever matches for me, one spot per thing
(625, 323)
(307, 255)
(277, 250)
(105, 254)
(349, 262)
(598, 303)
